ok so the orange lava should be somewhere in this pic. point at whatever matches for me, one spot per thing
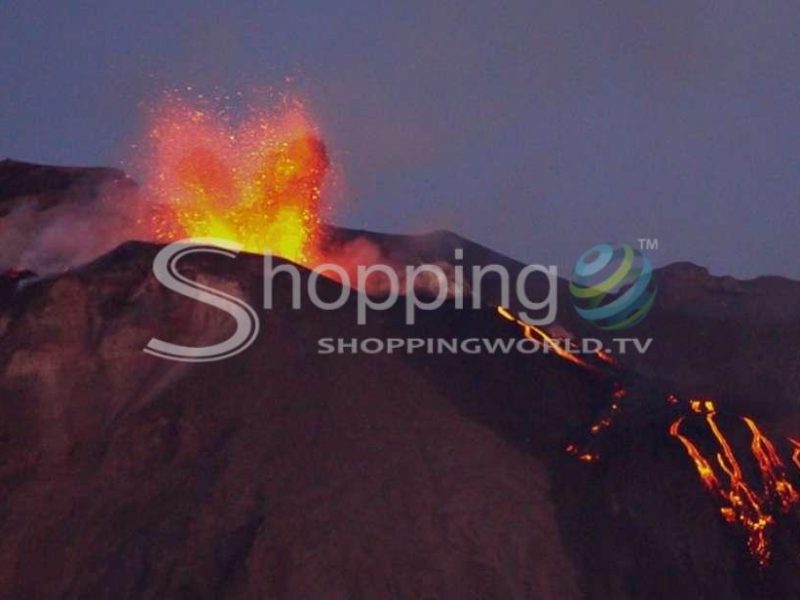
(755, 511)
(771, 467)
(537, 334)
(257, 182)
(540, 335)
(601, 424)
(588, 457)
(796, 453)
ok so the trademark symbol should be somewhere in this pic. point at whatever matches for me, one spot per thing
(648, 243)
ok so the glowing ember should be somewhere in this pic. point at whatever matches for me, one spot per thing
(740, 503)
(257, 183)
(601, 424)
(587, 457)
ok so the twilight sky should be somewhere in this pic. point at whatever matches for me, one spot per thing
(537, 128)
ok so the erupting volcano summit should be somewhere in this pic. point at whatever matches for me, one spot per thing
(257, 182)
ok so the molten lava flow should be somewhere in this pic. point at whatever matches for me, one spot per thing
(607, 358)
(796, 453)
(540, 335)
(740, 503)
(704, 469)
(257, 183)
(771, 467)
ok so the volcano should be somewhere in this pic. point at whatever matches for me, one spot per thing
(286, 473)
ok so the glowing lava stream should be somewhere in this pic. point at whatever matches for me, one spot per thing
(740, 503)
(796, 453)
(539, 335)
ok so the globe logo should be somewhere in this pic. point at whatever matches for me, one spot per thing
(613, 286)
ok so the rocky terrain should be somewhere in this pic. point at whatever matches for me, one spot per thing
(283, 473)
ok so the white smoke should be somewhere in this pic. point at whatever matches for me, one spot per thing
(363, 252)
(77, 227)
(53, 231)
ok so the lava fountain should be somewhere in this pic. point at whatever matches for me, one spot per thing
(257, 182)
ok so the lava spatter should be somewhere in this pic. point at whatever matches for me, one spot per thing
(256, 182)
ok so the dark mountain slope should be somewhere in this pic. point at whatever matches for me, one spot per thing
(285, 473)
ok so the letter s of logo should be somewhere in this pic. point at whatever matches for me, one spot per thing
(247, 323)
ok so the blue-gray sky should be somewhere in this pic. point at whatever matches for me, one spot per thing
(537, 128)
